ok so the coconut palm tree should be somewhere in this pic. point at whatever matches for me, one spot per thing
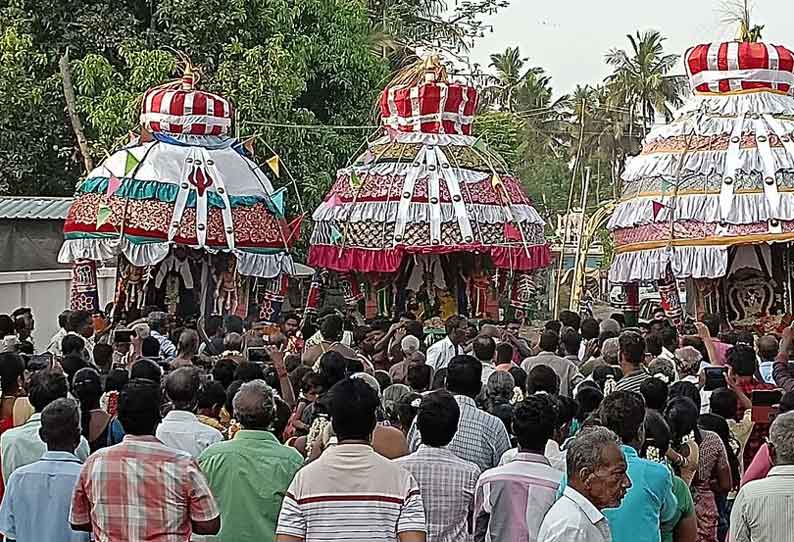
(641, 79)
(512, 80)
(399, 27)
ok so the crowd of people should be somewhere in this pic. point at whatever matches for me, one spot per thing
(582, 431)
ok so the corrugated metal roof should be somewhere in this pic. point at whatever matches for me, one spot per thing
(34, 208)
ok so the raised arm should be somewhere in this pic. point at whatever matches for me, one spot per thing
(287, 393)
(708, 341)
(781, 370)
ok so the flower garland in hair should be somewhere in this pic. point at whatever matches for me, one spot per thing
(518, 396)
(652, 453)
(688, 438)
(610, 385)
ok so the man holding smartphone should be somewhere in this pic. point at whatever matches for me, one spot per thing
(743, 366)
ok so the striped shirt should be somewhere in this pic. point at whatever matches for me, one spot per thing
(632, 381)
(512, 500)
(481, 438)
(353, 494)
(447, 484)
(763, 509)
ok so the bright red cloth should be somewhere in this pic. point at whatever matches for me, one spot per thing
(388, 261)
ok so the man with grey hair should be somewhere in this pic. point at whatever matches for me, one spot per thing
(410, 346)
(157, 321)
(609, 325)
(181, 429)
(609, 356)
(250, 474)
(597, 479)
(763, 509)
(48, 484)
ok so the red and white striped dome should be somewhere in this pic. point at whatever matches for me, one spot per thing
(184, 110)
(430, 107)
(721, 68)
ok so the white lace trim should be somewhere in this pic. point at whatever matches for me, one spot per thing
(105, 250)
(745, 209)
(687, 262)
(420, 212)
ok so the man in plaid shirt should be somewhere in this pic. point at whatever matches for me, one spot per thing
(481, 438)
(140, 490)
(446, 482)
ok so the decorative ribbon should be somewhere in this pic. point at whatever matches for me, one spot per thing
(220, 189)
(405, 198)
(732, 165)
(766, 76)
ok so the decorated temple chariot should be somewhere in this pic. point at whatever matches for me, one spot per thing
(427, 216)
(191, 222)
(710, 199)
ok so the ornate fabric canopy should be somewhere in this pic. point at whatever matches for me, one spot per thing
(184, 181)
(721, 174)
(426, 186)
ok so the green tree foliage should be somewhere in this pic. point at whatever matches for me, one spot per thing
(399, 27)
(513, 87)
(641, 80)
(521, 122)
(36, 154)
(504, 133)
(550, 143)
(278, 61)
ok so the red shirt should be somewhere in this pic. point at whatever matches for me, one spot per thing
(760, 430)
(140, 490)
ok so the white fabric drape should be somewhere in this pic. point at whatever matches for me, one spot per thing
(687, 262)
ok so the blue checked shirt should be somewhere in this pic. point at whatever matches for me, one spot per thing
(481, 437)
(37, 500)
(447, 485)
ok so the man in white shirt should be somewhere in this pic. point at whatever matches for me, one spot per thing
(181, 428)
(484, 350)
(763, 508)
(441, 353)
(597, 479)
(54, 347)
(22, 445)
(157, 321)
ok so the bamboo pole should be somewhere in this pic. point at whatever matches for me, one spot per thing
(579, 258)
(558, 278)
(71, 108)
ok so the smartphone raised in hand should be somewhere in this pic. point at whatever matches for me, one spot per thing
(715, 378)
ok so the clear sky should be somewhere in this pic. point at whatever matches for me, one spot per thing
(569, 38)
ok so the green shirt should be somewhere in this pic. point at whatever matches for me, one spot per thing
(685, 508)
(249, 476)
